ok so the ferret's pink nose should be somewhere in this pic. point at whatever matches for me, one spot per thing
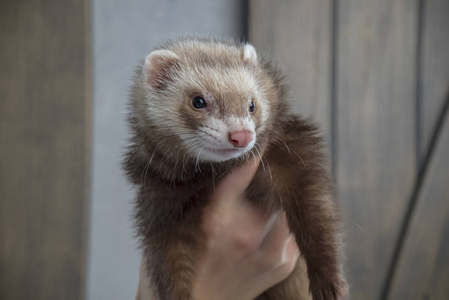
(240, 139)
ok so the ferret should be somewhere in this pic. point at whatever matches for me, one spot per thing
(198, 109)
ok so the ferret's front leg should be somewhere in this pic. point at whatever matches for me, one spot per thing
(314, 227)
(171, 270)
(301, 183)
(171, 239)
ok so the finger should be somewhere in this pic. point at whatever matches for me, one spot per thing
(276, 274)
(290, 257)
(292, 251)
(225, 206)
(236, 182)
(277, 236)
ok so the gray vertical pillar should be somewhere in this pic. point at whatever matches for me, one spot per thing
(123, 33)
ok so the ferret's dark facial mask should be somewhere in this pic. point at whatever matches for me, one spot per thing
(214, 104)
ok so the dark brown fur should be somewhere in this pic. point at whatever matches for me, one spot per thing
(172, 195)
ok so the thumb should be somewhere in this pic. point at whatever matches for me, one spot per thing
(236, 182)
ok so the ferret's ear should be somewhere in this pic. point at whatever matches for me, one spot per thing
(249, 54)
(157, 67)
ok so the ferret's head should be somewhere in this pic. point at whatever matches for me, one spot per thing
(211, 101)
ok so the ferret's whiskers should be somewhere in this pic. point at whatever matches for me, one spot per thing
(280, 199)
(154, 151)
(261, 160)
(177, 158)
(184, 163)
(213, 176)
(288, 149)
(145, 172)
(255, 159)
(213, 170)
(269, 170)
(305, 166)
(163, 160)
(197, 159)
(209, 134)
(245, 156)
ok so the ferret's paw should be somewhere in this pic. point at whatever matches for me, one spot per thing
(329, 290)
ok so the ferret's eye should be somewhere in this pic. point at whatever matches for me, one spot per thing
(252, 106)
(198, 102)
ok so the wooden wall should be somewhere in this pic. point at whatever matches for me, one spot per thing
(375, 73)
(44, 148)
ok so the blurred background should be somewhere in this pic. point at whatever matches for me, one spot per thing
(374, 73)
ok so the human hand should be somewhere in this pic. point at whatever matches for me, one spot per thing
(247, 251)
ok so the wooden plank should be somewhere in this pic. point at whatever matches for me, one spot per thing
(435, 91)
(439, 284)
(298, 35)
(434, 87)
(425, 247)
(44, 138)
(376, 144)
(423, 267)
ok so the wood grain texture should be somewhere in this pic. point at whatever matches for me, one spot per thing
(44, 138)
(298, 35)
(423, 269)
(434, 66)
(375, 112)
(439, 284)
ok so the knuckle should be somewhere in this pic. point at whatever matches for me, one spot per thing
(286, 267)
(276, 256)
(272, 261)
